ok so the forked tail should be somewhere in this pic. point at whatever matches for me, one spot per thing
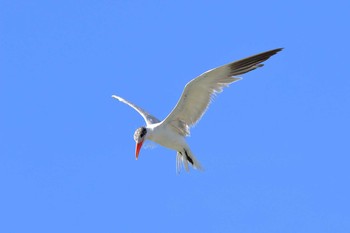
(184, 157)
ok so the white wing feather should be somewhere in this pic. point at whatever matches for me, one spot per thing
(198, 93)
(149, 119)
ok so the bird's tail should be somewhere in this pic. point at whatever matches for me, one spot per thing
(184, 157)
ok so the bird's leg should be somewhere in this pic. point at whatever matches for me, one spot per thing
(188, 157)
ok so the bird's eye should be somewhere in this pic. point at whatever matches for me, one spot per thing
(143, 132)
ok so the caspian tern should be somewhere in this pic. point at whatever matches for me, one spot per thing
(193, 103)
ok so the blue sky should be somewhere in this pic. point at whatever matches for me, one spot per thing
(275, 146)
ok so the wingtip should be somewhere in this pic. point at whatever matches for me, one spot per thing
(279, 49)
(115, 97)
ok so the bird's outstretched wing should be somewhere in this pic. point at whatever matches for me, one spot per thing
(198, 93)
(149, 119)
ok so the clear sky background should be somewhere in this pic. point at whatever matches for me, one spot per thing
(275, 146)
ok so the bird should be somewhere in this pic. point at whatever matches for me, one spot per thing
(193, 103)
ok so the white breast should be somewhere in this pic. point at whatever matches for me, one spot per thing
(165, 136)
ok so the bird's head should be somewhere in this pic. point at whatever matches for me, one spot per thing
(139, 137)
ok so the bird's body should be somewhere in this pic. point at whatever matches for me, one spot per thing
(194, 101)
(163, 135)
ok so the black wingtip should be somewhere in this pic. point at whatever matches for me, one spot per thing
(273, 51)
(278, 50)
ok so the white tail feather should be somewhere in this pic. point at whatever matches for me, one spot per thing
(183, 160)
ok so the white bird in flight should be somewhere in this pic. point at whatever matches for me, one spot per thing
(193, 103)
